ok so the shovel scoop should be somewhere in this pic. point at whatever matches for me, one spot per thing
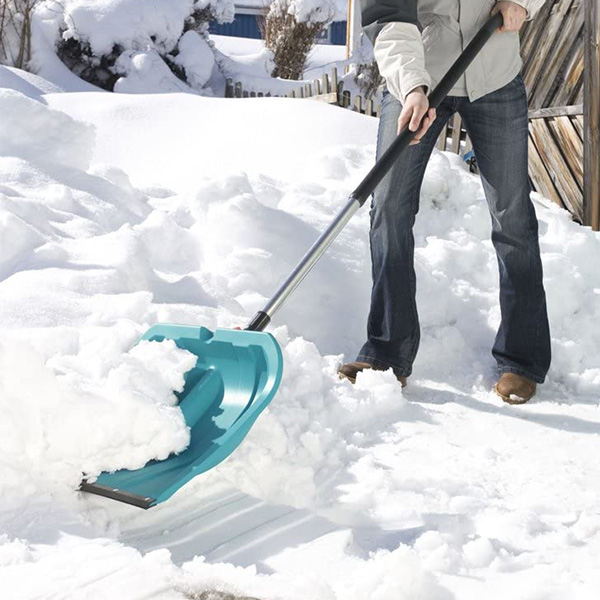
(237, 372)
(235, 377)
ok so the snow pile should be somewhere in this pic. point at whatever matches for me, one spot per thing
(61, 410)
(59, 422)
(34, 132)
(314, 434)
(29, 84)
(146, 73)
(196, 58)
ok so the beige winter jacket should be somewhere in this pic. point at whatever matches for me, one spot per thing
(408, 57)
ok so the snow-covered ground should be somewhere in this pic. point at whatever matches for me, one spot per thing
(118, 211)
(245, 50)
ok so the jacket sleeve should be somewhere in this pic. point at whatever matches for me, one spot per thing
(392, 27)
(531, 6)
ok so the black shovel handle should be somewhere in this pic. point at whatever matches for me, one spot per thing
(262, 318)
(384, 164)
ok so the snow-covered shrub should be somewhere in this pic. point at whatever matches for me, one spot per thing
(108, 42)
(368, 79)
(15, 32)
(221, 11)
(98, 70)
(290, 28)
(364, 69)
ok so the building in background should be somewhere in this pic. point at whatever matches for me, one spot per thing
(246, 24)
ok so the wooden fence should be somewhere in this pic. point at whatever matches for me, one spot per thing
(564, 102)
(328, 88)
(553, 69)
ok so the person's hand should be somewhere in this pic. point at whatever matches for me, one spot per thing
(514, 15)
(415, 108)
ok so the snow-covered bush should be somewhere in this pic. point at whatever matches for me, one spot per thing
(15, 32)
(221, 11)
(138, 45)
(290, 29)
(368, 79)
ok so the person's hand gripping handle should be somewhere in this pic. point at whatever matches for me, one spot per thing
(416, 111)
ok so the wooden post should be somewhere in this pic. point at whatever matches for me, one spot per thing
(377, 110)
(346, 98)
(456, 126)
(591, 108)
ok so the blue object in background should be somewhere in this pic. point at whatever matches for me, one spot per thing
(246, 25)
(338, 33)
(235, 377)
(471, 160)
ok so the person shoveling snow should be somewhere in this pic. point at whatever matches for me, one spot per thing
(238, 372)
(492, 100)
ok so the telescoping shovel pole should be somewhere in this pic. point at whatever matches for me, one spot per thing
(360, 195)
(237, 373)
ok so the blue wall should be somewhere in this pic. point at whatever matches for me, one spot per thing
(243, 26)
(247, 26)
(338, 33)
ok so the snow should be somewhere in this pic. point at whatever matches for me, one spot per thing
(155, 121)
(306, 11)
(65, 141)
(196, 57)
(118, 211)
(303, 7)
(145, 73)
(141, 41)
(27, 83)
(248, 51)
(128, 23)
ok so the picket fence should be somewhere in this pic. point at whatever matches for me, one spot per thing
(329, 88)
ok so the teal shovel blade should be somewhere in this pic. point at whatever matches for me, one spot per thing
(236, 376)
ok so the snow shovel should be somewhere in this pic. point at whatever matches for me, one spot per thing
(238, 372)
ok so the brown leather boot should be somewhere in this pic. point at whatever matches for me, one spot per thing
(515, 389)
(350, 370)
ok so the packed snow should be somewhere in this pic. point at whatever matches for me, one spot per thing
(118, 211)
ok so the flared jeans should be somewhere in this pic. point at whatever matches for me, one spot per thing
(497, 125)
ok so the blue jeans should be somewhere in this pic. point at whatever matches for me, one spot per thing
(498, 127)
